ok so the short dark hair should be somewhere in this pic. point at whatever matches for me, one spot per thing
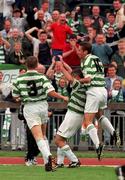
(31, 62)
(112, 66)
(86, 46)
(72, 36)
(77, 72)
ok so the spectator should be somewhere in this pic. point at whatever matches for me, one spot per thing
(4, 48)
(39, 22)
(117, 94)
(97, 20)
(73, 22)
(55, 15)
(51, 5)
(102, 50)
(45, 9)
(87, 22)
(92, 32)
(118, 58)
(112, 37)
(6, 31)
(44, 55)
(119, 10)
(111, 76)
(18, 19)
(41, 69)
(33, 40)
(54, 72)
(41, 48)
(17, 132)
(16, 36)
(7, 9)
(60, 31)
(62, 88)
(16, 57)
(110, 23)
(70, 52)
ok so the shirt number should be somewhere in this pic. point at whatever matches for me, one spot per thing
(32, 89)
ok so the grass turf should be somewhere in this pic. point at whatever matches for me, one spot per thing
(80, 154)
(21, 172)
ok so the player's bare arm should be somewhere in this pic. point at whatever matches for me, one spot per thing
(85, 80)
(57, 95)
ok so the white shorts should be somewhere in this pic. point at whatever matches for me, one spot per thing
(71, 123)
(36, 113)
(96, 98)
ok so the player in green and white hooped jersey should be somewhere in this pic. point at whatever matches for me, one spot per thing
(73, 118)
(96, 94)
(33, 88)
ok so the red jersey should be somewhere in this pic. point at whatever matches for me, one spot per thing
(72, 59)
(60, 32)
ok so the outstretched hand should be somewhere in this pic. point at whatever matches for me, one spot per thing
(66, 98)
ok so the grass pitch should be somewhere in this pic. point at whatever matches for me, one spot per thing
(21, 172)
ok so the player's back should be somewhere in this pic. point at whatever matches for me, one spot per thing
(93, 67)
(32, 86)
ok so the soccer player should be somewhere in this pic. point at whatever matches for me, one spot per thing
(96, 95)
(73, 118)
(120, 172)
(33, 88)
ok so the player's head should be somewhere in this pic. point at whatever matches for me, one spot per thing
(84, 49)
(77, 74)
(40, 68)
(31, 62)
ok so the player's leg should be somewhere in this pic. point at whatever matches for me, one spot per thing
(91, 108)
(35, 115)
(66, 150)
(60, 157)
(68, 128)
(32, 148)
(120, 172)
(44, 126)
(106, 125)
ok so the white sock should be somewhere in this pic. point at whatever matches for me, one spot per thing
(106, 124)
(60, 156)
(92, 131)
(43, 149)
(47, 143)
(68, 152)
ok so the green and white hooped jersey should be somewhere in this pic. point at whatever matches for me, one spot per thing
(32, 87)
(78, 97)
(92, 67)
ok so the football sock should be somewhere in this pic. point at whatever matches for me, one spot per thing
(43, 149)
(68, 152)
(106, 124)
(60, 156)
(47, 143)
(92, 131)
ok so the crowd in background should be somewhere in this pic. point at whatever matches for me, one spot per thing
(37, 28)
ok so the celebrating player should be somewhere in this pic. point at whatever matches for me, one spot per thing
(32, 88)
(74, 116)
(96, 95)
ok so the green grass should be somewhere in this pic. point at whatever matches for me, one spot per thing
(80, 154)
(37, 173)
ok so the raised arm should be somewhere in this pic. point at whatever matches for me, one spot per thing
(51, 68)
(66, 72)
(28, 33)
